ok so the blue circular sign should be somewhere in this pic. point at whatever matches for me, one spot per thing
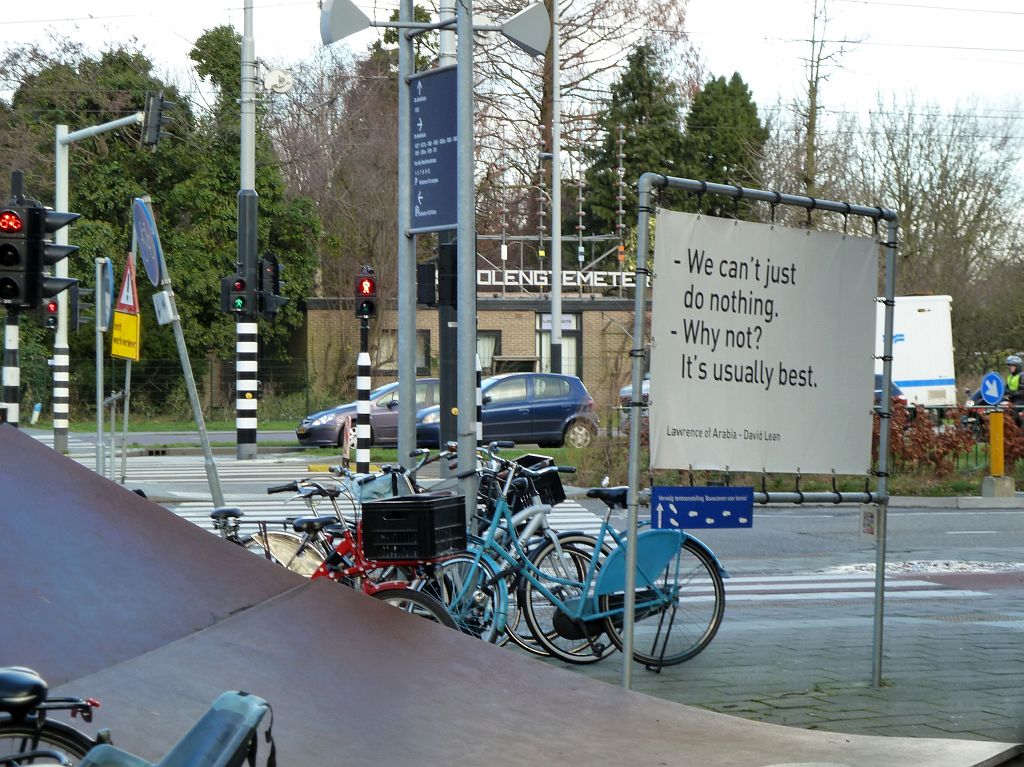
(147, 239)
(992, 388)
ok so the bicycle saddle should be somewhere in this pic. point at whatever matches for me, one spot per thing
(311, 525)
(21, 690)
(612, 496)
(226, 512)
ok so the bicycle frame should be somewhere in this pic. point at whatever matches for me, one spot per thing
(655, 549)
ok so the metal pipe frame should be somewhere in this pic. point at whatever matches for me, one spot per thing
(648, 184)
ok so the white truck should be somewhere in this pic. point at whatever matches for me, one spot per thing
(922, 349)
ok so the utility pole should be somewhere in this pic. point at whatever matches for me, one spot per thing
(247, 328)
(556, 198)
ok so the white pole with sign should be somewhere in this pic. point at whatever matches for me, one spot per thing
(144, 226)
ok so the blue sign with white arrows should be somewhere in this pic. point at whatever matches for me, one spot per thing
(992, 389)
(706, 507)
(434, 147)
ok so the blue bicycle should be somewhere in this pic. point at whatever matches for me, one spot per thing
(573, 602)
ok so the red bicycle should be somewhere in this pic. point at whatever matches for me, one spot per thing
(328, 547)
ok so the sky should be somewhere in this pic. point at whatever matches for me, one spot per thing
(944, 52)
(947, 52)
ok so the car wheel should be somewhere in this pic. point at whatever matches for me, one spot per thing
(578, 434)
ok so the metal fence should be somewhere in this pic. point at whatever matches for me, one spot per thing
(158, 390)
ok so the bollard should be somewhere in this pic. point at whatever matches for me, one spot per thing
(995, 443)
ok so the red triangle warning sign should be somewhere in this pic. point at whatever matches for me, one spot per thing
(128, 298)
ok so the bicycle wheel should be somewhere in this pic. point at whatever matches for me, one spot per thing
(664, 635)
(569, 640)
(25, 735)
(516, 629)
(417, 603)
(473, 593)
(284, 550)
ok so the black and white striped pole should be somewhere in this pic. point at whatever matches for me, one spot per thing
(11, 371)
(366, 307)
(246, 346)
(479, 404)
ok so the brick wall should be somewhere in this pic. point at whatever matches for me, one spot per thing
(332, 339)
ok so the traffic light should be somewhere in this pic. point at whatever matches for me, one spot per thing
(155, 119)
(16, 279)
(44, 253)
(426, 284)
(50, 314)
(75, 306)
(366, 293)
(240, 295)
(271, 299)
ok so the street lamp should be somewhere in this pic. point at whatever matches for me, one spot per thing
(529, 30)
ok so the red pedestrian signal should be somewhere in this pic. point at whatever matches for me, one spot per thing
(366, 293)
(50, 310)
(366, 287)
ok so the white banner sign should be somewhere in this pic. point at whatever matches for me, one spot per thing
(762, 342)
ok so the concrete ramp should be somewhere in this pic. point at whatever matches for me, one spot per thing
(121, 600)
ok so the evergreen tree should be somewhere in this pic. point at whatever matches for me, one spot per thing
(723, 137)
(649, 106)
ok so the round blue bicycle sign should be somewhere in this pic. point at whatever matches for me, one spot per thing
(148, 240)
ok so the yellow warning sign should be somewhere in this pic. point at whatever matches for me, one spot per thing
(126, 336)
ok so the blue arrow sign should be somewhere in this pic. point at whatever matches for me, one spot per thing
(148, 240)
(434, 143)
(707, 507)
(992, 389)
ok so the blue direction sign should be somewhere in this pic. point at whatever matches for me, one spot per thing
(992, 389)
(707, 507)
(434, 139)
(148, 240)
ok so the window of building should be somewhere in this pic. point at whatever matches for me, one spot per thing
(386, 361)
(488, 346)
(572, 343)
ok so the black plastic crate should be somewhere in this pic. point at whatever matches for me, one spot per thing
(549, 487)
(549, 484)
(414, 527)
(534, 461)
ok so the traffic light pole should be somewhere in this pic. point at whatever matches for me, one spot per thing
(61, 354)
(11, 372)
(363, 398)
(247, 329)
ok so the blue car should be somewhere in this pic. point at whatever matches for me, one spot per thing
(545, 409)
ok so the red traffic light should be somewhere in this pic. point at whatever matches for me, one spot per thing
(51, 307)
(366, 286)
(10, 222)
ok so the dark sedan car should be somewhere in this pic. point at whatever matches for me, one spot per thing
(546, 409)
(324, 429)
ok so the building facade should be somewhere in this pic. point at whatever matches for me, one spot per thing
(513, 331)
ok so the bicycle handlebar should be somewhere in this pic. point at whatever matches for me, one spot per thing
(292, 486)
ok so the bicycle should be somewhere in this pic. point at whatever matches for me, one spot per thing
(329, 547)
(47, 755)
(530, 492)
(227, 735)
(27, 728)
(569, 602)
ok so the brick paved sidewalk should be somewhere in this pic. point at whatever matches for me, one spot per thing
(951, 668)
